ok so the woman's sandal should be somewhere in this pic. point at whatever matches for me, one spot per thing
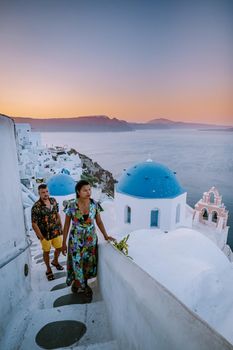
(88, 291)
(75, 289)
(58, 266)
(49, 275)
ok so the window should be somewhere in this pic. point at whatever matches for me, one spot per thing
(154, 218)
(178, 213)
(127, 214)
(205, 215)
(214, 216)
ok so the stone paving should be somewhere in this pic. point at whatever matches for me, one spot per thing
(59, 319)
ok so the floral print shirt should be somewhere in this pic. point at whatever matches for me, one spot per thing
(47, 218)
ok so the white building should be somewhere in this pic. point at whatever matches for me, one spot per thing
(148, 195)
(38, 163)
(14, 242)
(22, 132)
(25, 137)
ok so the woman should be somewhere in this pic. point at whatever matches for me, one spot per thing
(82, 246)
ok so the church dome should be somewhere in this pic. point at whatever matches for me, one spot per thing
(61, 185)
(149, 180)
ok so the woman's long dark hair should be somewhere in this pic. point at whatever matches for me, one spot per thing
(79, 185)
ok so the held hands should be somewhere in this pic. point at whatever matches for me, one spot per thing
(64, 248)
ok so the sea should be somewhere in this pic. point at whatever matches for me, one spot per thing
(201, 159)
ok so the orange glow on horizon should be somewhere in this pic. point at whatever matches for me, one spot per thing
(88, 59)
(212, 109)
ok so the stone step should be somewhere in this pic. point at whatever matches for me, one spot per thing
(92, 317)
(110, 345)
(59, 319)
(63, 296)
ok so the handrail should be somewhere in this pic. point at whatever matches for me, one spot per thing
(15, 254)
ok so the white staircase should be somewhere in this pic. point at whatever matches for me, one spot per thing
(41, 311)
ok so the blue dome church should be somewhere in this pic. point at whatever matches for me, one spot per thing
(148, 195)
(61, 185)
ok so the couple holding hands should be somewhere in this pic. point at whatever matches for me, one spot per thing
(82, 248)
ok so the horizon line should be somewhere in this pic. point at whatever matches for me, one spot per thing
(129, 122)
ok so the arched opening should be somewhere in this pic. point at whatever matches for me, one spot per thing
(212, 198)
(205, 214)
(214, 216)
(127, 215)
(178, 213)
(154, 218)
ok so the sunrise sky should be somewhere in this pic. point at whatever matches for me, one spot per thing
(133, 60)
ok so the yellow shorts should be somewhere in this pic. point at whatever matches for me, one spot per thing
(55, 242)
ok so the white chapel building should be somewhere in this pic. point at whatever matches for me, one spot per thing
(148, 195)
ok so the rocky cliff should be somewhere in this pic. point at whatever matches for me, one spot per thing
(95, 174)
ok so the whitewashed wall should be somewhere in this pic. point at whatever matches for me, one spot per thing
(144, 315)
(14, 253)
(141, 211)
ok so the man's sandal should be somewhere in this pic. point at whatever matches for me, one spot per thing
(58, 266)
(49, 275)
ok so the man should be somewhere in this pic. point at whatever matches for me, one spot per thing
(46, 223)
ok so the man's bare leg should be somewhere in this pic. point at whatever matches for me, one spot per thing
(56, 255)
(55, 260)
(46, 260)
